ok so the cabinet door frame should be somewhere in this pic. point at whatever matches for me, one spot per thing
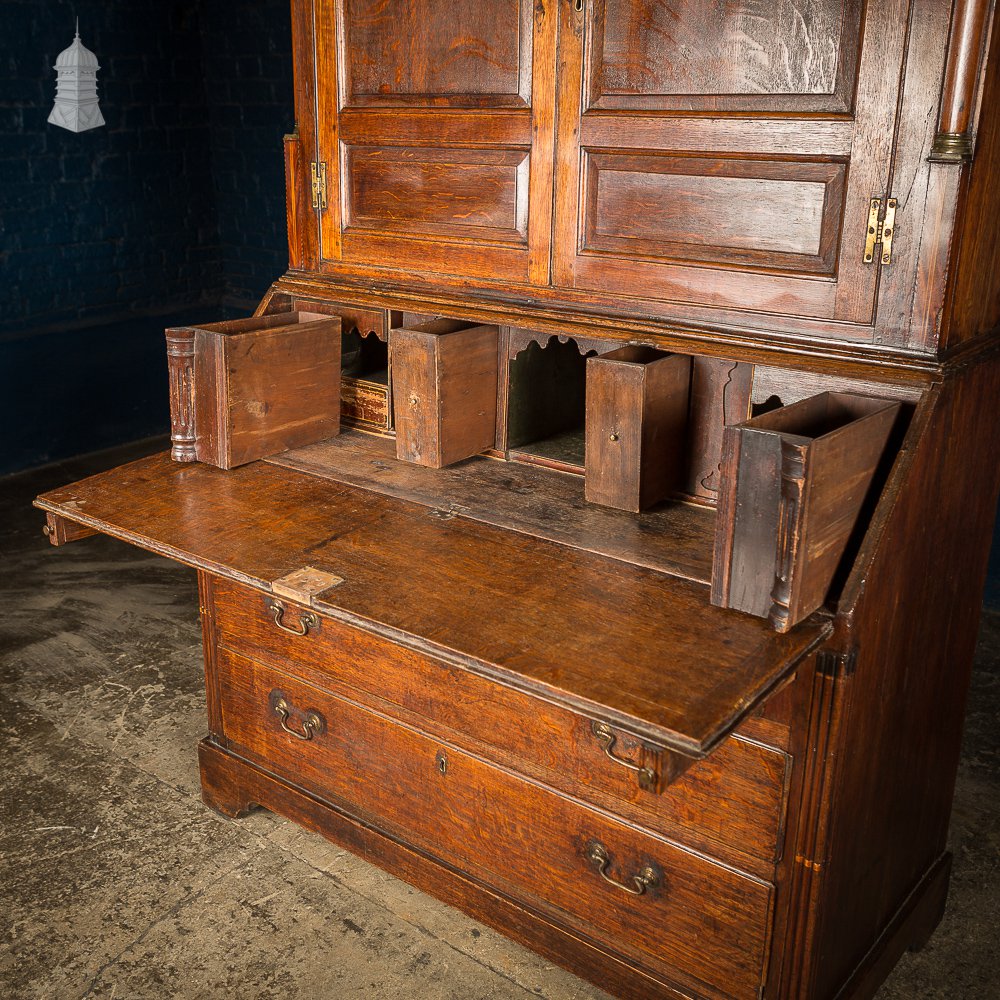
(485, 134)
(860, 143)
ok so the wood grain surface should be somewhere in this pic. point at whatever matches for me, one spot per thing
(445, 391)
(796, 479)
(636, 430)
(528, 841)
(245, 388)
(732, 804)
(663, 663)
(672, 537)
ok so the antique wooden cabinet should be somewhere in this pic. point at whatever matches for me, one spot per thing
(632, 610)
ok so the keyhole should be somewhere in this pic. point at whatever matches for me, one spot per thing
(441, 762)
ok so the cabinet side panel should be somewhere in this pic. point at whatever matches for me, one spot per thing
(664, 427)
(209, 388)
(206, 607)
(914, 625)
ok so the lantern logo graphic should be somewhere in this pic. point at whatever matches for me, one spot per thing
(76, 106)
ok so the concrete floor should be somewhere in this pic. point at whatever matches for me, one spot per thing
(117, 882)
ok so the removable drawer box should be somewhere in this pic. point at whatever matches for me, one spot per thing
(245, 389)
(794, 482)
(695, 922)
(731, 804)
(444, 391)
(637, 411)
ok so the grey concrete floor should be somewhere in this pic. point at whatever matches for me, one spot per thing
(116, 881)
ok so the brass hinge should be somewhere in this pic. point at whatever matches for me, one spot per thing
(318, 171)
(880, 230)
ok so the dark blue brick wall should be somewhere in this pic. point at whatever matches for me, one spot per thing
(174, 209)
(120, 218)
(69, 394)
(248, 80)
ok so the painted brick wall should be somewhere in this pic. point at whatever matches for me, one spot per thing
(248, 82)
(174, 211)
(121, 218)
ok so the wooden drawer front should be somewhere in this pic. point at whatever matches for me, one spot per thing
(734, 799)
(701, 923)
(364, 404)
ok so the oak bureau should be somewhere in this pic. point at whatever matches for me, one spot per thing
(591, 524)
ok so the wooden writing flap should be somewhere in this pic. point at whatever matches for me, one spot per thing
(642, 650)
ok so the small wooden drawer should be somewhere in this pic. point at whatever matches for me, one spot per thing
(364, 368)
(687, 919)
(364, 403)
(732, 804)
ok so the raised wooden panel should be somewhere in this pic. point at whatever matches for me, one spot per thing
(781, 214)
(747, 54)
(723, 154)
(437, 137)
(471, 193)
(440, 52)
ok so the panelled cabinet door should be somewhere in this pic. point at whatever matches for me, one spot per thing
(724, 152)
(438, 135)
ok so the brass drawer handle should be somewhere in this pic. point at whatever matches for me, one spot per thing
(605, 736)
(312, 724)
(645, 878)
(307, 620)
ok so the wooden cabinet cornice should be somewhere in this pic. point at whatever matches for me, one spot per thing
(548, 711)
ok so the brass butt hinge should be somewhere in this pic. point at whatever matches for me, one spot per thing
(318, 173)
(881, 228)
